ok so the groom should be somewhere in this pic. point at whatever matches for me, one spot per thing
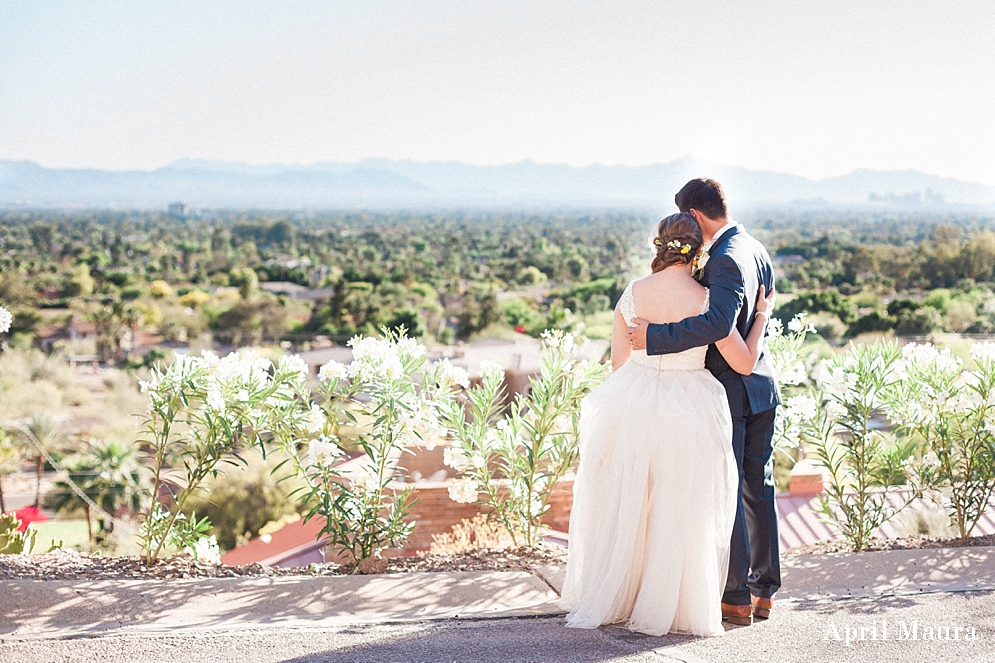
(735, 265)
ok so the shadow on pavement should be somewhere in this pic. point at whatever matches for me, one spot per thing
(547, 640)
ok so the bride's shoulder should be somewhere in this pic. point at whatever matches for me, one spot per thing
(669, 280)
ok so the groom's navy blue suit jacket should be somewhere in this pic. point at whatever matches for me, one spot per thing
(736, 267)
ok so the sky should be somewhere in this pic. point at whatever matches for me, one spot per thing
(813, 88)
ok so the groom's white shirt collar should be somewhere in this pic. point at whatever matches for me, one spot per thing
(721, 231)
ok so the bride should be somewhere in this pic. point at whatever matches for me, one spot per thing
(655, 493)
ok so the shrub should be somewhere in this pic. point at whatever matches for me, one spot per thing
(846, 441)
(511, 463)
(362, 515)
(203, 412)
(239, 504)
(951, 412)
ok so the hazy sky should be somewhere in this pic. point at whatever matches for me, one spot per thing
(809, 87)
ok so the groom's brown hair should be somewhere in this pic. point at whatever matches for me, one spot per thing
(704, 195)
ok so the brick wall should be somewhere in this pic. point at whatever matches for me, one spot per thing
(435, 513)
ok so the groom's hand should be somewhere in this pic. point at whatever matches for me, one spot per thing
(637, 334)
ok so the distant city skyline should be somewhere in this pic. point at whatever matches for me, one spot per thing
(811, 89)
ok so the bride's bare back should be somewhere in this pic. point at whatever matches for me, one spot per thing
(669, 295)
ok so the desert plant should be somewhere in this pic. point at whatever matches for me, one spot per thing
(951, 413)
(478, 533)
(362, 515)
(203, 411)
(12, 540)
(847, 440)
(510, 464)
(107, 476)
(42, 434)
(10, 461)
(791, 363)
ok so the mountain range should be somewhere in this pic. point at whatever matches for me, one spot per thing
(386, 184)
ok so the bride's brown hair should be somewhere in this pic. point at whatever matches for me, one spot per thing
(677, 241)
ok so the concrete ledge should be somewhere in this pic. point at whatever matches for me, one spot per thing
(887, 573)
(61, 609)
(869, 574)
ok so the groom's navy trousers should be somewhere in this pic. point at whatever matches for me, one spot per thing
(736, 268)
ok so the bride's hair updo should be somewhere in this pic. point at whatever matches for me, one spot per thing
(677, 241)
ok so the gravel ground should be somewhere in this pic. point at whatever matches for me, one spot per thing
(72, 565)
(904, 543)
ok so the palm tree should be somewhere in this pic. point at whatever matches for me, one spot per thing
(108, 475)
(108, 331)
(10, 461)
(42, 433)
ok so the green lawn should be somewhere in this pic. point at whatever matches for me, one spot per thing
(71, 532)
(599, 325)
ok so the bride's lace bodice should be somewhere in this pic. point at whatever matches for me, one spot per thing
(689, 360)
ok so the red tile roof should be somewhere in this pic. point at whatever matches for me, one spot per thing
(276, 545)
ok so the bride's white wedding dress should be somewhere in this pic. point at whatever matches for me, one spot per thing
(654, 497)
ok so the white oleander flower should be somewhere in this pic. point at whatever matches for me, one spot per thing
(6, 318)
(930, 459)
(215, 399)
(315, 419)
(206, 550)
(491, 369)
(241, 366)
(540, 485)
(774, 328)
(798, 325)
(323, 452)
(451, 375)
(242, 395)
(209, 358)
(295, 367)
(363, 482)
(392, 367)
(410, 348)
(333, 370)
(463, 490)
(800, 408)
(369, 348)
(151, 384)
(455, 458)
(983, 352)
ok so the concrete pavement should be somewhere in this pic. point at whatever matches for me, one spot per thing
(938, 594)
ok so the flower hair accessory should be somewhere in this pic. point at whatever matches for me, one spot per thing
(683, 248)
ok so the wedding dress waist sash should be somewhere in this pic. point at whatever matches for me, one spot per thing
(689, 360)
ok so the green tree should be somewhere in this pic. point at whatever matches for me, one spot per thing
(40, 435)
(109, 475)
(244, 279)
(239, 504)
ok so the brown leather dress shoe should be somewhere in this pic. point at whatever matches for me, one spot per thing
(740, 615)
(761, 607)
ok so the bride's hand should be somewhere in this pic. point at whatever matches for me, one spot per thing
(765, 303)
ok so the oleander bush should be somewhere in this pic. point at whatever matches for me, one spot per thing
(511, 460)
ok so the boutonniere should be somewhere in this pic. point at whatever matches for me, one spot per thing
(699, 262)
